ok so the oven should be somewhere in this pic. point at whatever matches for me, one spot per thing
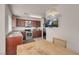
(28, 34)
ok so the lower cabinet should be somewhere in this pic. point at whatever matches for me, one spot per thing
(24, 35)
(11, 44)
(37, 34)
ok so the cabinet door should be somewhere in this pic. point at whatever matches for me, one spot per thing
(20, 22)
(11, 44)
(40, 33)
(24, 35)
(35, 34)
(23, 23)
(36, 23)
(10, 48)
(13, 21)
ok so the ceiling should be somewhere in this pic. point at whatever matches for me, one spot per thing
(23, 10)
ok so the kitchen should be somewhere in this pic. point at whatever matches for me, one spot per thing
(27, 22)
(23, 31)
(30, 29)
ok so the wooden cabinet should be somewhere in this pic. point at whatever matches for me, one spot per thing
(11, 44)
(37, 33)
(20, 22)
(33, 24)
(36, 23)
(34, 34)
(24, 35)
(13, 21)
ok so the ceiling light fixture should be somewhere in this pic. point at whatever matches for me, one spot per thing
(34, 16)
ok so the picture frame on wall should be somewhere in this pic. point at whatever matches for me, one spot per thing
(51, 22)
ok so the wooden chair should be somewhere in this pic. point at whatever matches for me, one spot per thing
(60, 42)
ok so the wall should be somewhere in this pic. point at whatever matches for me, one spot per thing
(68, 26)
(49, 34)
(8, 21)
(2, 29)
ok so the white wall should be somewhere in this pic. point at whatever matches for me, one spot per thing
(2, 29)
(8, 19)
(68, 25)
(49, 34)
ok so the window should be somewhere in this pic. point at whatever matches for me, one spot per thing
(9, 23)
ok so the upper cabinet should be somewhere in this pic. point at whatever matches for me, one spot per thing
(20, 23)
(36, 23)
(25, 23)
(32, 23)
(17, 22)
(13, 21)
